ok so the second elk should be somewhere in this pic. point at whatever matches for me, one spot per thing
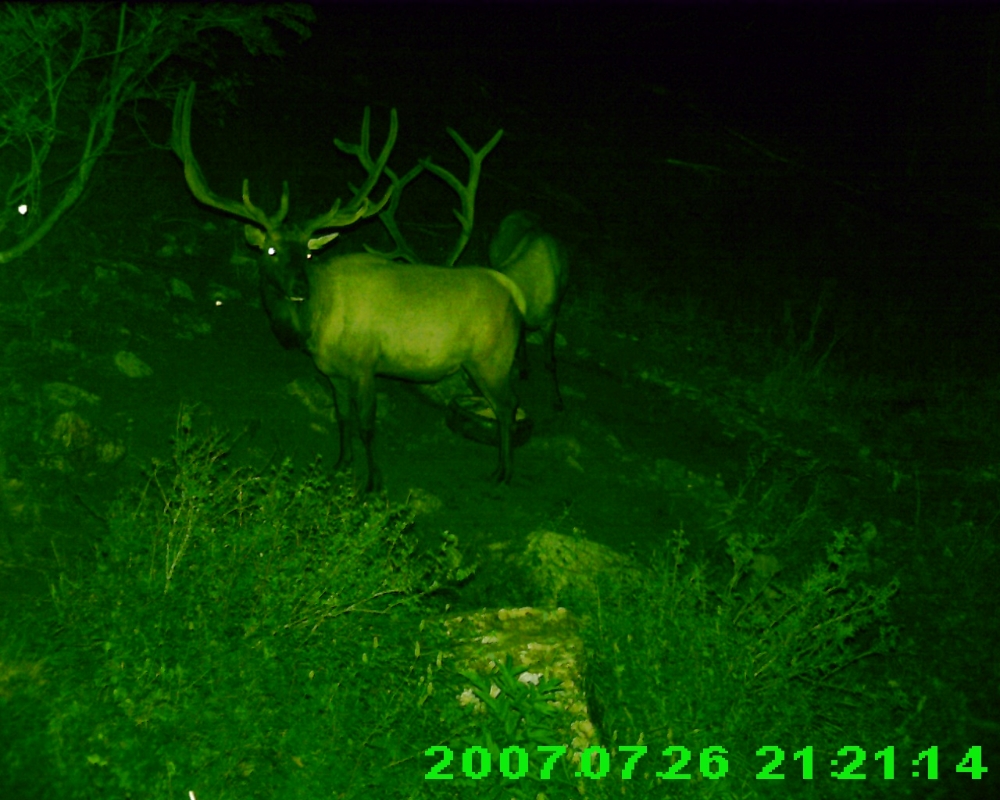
(537, 263)
(362, 315)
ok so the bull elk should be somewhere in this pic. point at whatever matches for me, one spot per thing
(537, 263)
(363, 315)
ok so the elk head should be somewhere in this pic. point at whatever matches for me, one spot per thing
(285, 247)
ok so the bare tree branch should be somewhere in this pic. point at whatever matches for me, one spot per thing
(66, 62)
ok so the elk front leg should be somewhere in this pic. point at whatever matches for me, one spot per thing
(549, 345)
(345, 421)
(364, 397)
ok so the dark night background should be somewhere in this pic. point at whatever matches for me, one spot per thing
(845, 147)
(783, 226)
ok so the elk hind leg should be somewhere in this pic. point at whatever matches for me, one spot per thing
(497, 390)
(521, 359)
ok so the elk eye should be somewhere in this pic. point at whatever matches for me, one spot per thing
(271, 251)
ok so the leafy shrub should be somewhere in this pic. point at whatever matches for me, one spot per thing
(238, 635)
(678, 661)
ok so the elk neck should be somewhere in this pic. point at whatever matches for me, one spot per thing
(285, 291)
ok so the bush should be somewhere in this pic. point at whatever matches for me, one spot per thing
(676, 663)
(238, 636)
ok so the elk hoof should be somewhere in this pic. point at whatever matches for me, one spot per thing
(373, 483)
(500, 476)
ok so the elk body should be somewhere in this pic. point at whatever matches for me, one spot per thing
(537, 263)
(362, 315)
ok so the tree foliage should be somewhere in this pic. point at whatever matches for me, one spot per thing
(68, 71)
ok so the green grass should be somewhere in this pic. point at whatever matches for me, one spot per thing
(677, 662)
(238, 635)
(272, 636)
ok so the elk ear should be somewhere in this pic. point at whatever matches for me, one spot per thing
(321, 241)
(255, 236)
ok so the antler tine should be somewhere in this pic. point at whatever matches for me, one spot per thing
(361, 206)
(375, 170)
(466, 193)
(270, 223)
(180, 141)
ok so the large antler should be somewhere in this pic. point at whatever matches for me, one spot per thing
(359, 206)
(180, 141)
(466, 192)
